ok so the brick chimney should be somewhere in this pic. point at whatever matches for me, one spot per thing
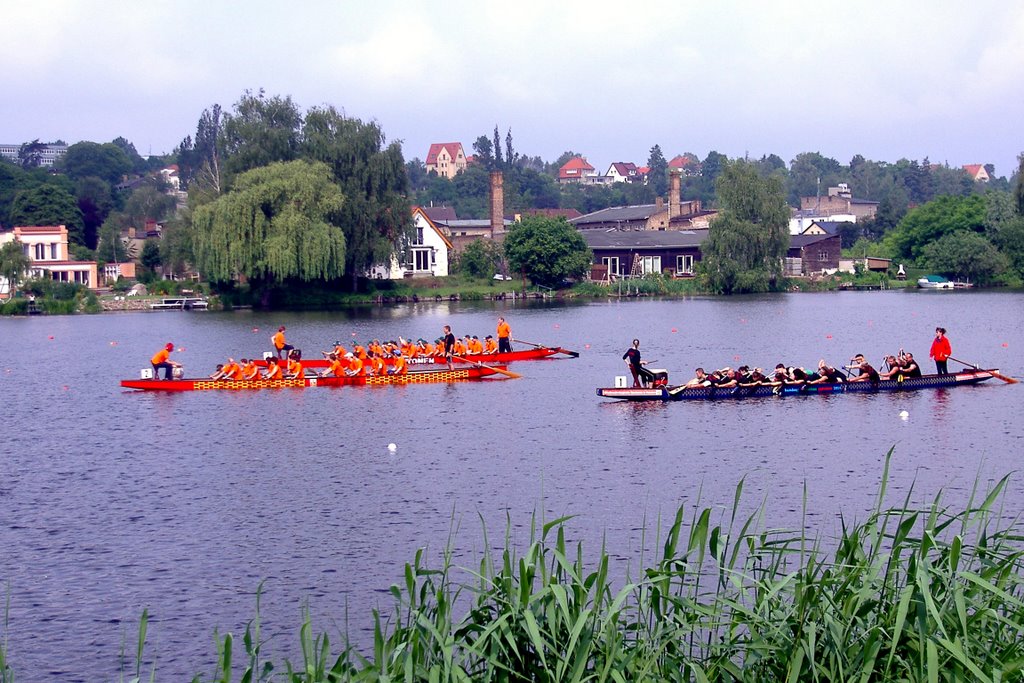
(673, 194)
(497, 204)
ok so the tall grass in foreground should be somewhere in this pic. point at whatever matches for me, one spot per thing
(907, 594)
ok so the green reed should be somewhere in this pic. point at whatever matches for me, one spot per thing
(907, 594)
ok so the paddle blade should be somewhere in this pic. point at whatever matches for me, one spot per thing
(1008, 380)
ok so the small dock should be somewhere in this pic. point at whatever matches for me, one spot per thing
(180, 303)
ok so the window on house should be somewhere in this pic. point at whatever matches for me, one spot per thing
(421, 259)
(823, 255)
(651, 264)
(684, 264)
(40, 251)
(612, 263)
(419, 236)
(53, 251)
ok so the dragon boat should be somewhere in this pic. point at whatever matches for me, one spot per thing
(416, 377)
(538, 353)
(665, 392)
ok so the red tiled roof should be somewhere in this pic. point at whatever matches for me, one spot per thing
(453, 149)
(973, 169)
(679, 161)
(575, 168)
(38, 228)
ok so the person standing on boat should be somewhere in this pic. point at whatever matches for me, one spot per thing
(641, 375)
(504, 336)
(941, 350)
(281, 346)
(162, 359)
(448, 340)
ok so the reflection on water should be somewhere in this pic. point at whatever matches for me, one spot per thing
(113, 501)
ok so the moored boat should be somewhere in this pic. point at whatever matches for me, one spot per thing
(683, 393)
(489, 359)
(418, 377)
(934, 282)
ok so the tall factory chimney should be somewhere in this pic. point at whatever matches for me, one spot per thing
(497, 204)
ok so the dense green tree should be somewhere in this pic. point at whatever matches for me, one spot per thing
(498, 161)
(471, 191)
(547, 250)
(30, 154)
(481, 258)
(511, 157)
(147, 202)
(13, 264)
(966, 255)
(111, 245)
(48, 204)
(811, 173)
(176, 246)
(199, 159)
(150, 256)
(416, 171)
(139, 166)
(277, 223)
(934, 220)
(748, 240)
(259, 131)
(1018, 189)
(106, 161)
(657, 174)
(483, 149)
(376, 216)
(95, 201)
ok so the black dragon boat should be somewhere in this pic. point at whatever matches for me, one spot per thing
(665, 392)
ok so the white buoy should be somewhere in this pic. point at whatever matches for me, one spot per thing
(904, 415)
(392, 447)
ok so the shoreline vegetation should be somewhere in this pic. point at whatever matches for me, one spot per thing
(909, 594)
(63, 298)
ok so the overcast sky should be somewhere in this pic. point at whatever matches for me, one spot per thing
(888, 80)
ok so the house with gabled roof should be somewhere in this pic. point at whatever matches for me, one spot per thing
(620, 254)
(685, 165)
(977, 172)
(576, 170)
(623, 172)
(426, 254)
(446, 159)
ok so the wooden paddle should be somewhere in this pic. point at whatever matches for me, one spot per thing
(571, 354)
(1008, 380)
(507, 373)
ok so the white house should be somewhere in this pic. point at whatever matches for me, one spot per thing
(426, 255)
(46, 247)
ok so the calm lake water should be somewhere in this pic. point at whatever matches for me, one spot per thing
(115, 501)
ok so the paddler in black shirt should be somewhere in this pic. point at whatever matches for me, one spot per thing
(641, 375)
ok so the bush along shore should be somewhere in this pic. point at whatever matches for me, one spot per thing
(906, 595)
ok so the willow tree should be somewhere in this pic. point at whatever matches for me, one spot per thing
(277, 223)
(748, 241)
(376, 216)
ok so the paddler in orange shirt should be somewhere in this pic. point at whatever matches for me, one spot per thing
(273, 370)
(250, 370)
(336, 368)
(339, 350)
(294, 368)
(231, 370)
(504, 336)
(355, 367)
(477, 347)
(280, 345)
(459, 348)
(398, 364)
(490, 346)
(376, 363)
(162, 359)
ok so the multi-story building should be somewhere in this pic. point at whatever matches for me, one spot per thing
(446, 159)
(47, 248)
(48, 153)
